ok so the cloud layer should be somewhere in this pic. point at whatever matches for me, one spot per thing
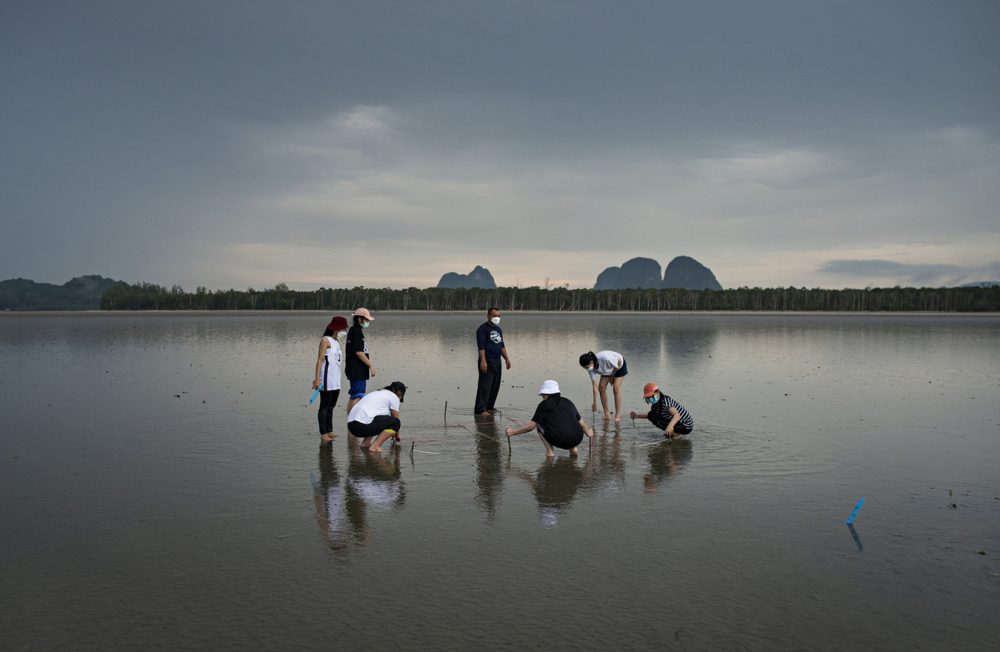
(233, 144)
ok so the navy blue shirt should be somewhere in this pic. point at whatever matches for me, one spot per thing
(489, 338)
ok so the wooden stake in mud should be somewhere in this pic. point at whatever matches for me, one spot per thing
(446, 413)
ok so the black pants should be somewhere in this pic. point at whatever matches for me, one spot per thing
(489, 387)
(327, 401)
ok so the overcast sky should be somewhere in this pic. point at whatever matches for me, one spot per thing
(237, 143)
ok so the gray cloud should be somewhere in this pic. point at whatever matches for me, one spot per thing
(911, 274)
(235, 143)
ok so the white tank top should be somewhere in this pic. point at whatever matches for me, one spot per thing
(330, 372)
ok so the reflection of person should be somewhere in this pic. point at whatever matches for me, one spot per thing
(489, 473)
(328, 496)
(557, 420)
(555, 485)
(359, 365)
(376, 415)
(664, 462)
(374, 481)
(606, 367)
(327, 379)
(665, 413)
(489, 340)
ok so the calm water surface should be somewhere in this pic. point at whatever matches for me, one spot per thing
(162, 486)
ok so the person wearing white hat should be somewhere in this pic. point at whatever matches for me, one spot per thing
(359, 366)
(557, 421)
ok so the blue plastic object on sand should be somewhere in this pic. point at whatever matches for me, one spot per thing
(854, 512)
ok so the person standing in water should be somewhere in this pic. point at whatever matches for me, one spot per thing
(665, 413)
(489, 341)
(606, 367)
(359, 365)
(327, 379)
(557, 421)
(376, 416)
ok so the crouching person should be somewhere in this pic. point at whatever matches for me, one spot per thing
(375, 417)
(557, 421)
(665, 413)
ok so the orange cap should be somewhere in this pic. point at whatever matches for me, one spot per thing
(649, 390)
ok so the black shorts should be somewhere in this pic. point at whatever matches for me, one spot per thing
(621, 373)
(378, 424)
(559, 440)
(681, 429)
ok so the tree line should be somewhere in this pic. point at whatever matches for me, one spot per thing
(149, 296)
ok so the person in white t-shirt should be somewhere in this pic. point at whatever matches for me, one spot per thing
(376, 416)
(606, 367)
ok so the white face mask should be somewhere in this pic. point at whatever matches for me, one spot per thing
(495, 321)
(590, 367)
(341, 335)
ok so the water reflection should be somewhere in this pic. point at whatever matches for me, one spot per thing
(665, 460)
(489, 471)
(606, 458)
(373, 482)
(554, 485)
(328, 498)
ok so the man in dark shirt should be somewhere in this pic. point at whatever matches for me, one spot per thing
(489, 340)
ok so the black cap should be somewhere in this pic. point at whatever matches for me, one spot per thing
(398, 387)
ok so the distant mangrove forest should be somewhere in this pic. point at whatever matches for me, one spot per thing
(149, 296)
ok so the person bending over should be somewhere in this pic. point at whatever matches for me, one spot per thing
(665, 413)
(376, 416)
(606, 367)
(557, 421)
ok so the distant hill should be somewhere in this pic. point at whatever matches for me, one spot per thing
(479, 277)
(80, 293)
(635, 273)
(683, 272)
(686, 273)
(981, 284)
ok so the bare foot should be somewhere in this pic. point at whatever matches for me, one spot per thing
(618, 419)
(605, 416)
(573, 452)
(327, 438)
(374, 449)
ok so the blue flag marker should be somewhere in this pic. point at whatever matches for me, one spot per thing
(854, 512)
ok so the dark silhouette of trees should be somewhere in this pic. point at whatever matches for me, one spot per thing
(149, 296)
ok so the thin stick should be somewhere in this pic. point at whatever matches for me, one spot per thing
(446, 413)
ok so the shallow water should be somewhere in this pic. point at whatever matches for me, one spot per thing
(162, 485)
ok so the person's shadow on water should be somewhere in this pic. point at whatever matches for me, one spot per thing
(555, 485)
(665, 461)
(489, 466)
(329, 501)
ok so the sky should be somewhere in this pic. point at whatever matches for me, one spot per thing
(246, 143)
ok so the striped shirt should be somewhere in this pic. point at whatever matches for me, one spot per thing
(660, 415)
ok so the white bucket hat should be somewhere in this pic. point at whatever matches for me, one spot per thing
(549, 387)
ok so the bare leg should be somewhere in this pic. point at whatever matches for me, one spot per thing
(366, 442)
(573, 452)
(382, 436)
(548, 447)
(617, 387)
(603, 388)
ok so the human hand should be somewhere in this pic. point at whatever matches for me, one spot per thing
(508, 363)
(593, 407)
(482, 366)
(632, 414)
(372, 370)
(316, 384)
(507, 431)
